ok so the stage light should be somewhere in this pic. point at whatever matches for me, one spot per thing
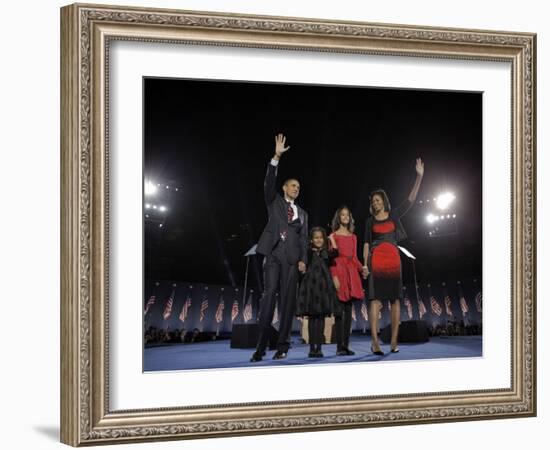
(444, 200)
(431, 218)
(454, 215)
(162, 208)
(154, 206)
(448, 216)
(150, 188)
(160, 225)
(167, 187)
(147, 205)
(442, 217)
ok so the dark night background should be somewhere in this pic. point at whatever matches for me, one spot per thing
(212, 141)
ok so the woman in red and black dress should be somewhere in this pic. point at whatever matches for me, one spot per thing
(345, 270)
(383, 231)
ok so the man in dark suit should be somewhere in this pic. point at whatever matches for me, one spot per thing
(284, 245)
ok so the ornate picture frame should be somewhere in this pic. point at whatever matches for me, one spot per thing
(87, 31)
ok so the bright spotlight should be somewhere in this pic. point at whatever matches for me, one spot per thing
(154, 206)
(150, 188)
(147, 205)
(444, 200)
(454, 215)
(431, 218)
(162, 208)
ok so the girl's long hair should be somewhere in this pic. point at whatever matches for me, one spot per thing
(336, 220)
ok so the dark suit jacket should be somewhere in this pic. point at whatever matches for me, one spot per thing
(277, 222)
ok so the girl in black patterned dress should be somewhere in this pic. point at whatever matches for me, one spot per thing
(317, 294)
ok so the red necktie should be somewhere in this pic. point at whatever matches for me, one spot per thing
(290, 212)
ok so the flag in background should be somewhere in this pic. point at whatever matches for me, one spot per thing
(204, 308)
(436, 309)
(464, 306)
(234, 309)
(409, 307)
(448, 305)
(150, 303)
(219, 310)
(275, 315)
(185, 308)
(247, 313)
(421, 308)
(479, 302)
(364, 311)
(168, 308)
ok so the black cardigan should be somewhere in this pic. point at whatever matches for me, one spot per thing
(395, 216)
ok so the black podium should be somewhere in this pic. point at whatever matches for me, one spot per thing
(245, 335)
(409, 331)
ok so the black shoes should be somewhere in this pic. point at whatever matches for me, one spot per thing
(257, 356)
(377, 352)
(315, 353)
(279, 355)
(345, 352)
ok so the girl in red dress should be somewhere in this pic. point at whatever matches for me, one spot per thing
(383, 231)
(345, 274)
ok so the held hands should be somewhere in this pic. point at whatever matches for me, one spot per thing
(302, 266)
(280, 148)
(419, 167)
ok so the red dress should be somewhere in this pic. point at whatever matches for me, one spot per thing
(347, 268)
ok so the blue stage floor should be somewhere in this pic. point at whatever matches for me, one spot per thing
(218, 354)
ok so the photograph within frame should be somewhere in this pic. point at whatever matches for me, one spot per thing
(208, 133)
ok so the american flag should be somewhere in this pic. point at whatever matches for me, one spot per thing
(364, 311)
(479, 302)
(421, 308)
(168, 308)
(247, 313)
(436, 309)
(409, 307)
(464, 306)
(204, 307)
(353, 316)
(234, 310)
(275, 315)
(185, 308)
(448, 304)
(150, 303)
(219, 310)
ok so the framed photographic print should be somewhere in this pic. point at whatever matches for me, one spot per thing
(255, 209)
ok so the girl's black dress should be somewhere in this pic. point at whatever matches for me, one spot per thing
(317, 294)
